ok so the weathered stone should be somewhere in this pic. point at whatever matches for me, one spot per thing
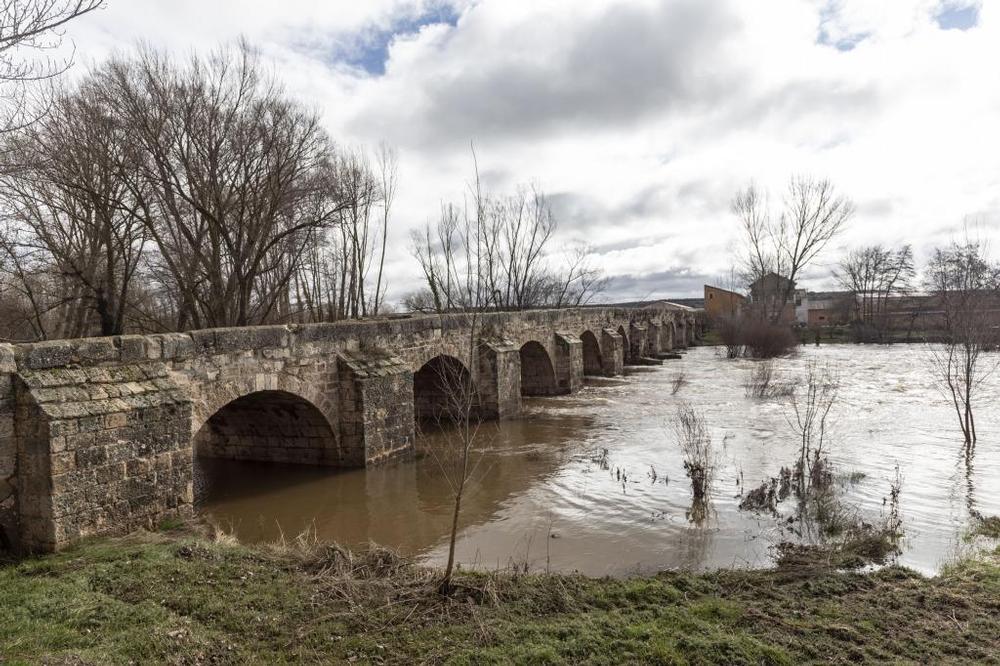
(96, 435)
(47, 354)
(97, 350)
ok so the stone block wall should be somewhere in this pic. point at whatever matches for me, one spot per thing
(653, 335)
(637, 338)
(568, 362)
(667, 337)
(612, 352)
(101, 450)
(8, 452)
(499, 379)
(376, 407)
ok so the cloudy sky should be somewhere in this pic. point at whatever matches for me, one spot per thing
(639, 118)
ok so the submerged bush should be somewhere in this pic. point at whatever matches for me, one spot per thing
(762, 339)
(753, 337)
(761, 382)
(696, 445)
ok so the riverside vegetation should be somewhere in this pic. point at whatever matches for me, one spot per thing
(184, 595)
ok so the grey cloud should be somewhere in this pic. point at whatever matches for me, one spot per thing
(581, 211)
(623, 65)
(679, 283)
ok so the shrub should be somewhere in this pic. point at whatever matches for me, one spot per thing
(762, 339)
(762, 381)
(754, 337)
(731, 333)
(696, 444)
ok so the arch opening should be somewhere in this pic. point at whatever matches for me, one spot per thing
(592, 360)
(444, 391)
(538, 377)
(268, 426)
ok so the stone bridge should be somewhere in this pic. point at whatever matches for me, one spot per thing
(98, 435)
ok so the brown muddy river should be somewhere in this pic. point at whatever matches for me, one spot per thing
(546, 494)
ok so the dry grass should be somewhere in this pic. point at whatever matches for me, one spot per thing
(188, 597)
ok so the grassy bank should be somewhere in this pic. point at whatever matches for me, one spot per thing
(183, 598)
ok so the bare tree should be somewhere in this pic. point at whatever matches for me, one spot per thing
(577, 281)
(695, 441)
(388, 170)
(26, 293)
(873, 275)
(785, 243)
(514, 266)
(67, 194)
(31, 31)
(809, 418)
(967, 287)
(234, 182)
(227, 198)
(334, 279)
(463, 264)
(456, 451)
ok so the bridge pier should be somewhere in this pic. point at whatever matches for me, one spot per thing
(499, 379)
(653, 335)
(569, 362)
(681, 339)
(613, 356)
(667, 337)
(637, 338)
(376, 408)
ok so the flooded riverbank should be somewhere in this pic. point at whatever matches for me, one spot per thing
(594, 481)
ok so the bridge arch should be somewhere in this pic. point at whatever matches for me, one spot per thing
(538, 376)
(269, 426)
(592, 357)
(443, 388)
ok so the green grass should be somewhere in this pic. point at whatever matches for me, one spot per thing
(986, 526)
(182, 598)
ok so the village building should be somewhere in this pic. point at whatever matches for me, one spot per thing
(771, 298)
(823, 308)
(723, 303)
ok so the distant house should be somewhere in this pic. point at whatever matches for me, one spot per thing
(773, 294)
(823, 308)
(722, 302)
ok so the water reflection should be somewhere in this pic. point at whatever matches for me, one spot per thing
(595, 482)
(407, 506)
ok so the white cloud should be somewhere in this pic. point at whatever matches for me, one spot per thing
(640, 117)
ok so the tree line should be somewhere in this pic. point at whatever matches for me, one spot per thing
(161, 195)
(490, 252)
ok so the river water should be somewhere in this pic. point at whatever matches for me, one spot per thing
(594, 482)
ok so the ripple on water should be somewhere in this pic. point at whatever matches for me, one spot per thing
(545, 473)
